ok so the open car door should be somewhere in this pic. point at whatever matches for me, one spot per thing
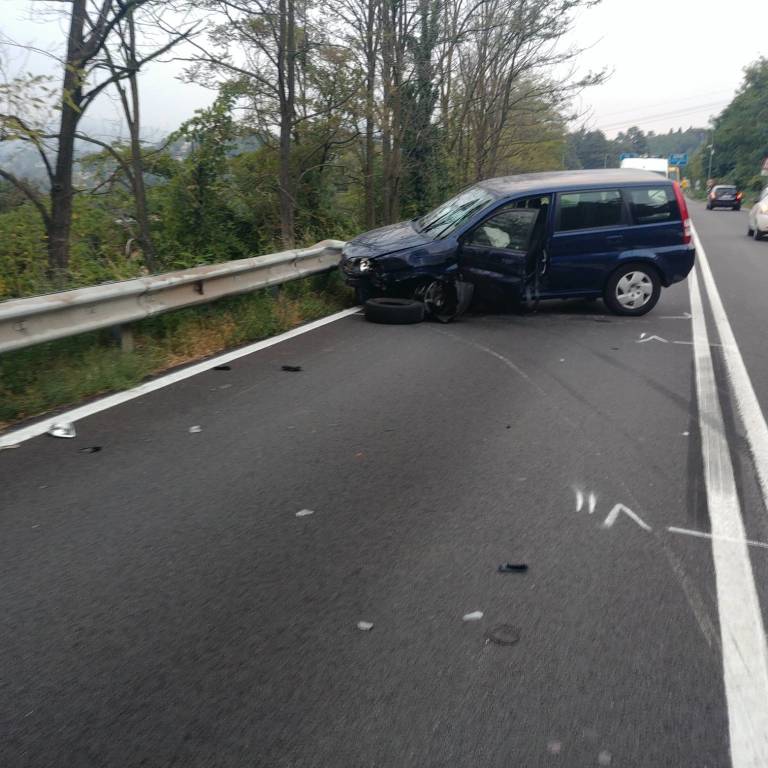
(504, 255)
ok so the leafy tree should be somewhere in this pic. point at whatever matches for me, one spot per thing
(740, 131)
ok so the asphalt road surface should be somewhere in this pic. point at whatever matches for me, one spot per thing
(163, 605)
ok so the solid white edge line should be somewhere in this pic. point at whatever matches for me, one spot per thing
(742, 634)
(746, 400)
(41, 427)
(705, 535)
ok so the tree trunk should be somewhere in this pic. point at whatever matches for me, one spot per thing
(61, 183)
(287, 87)
(133, 118)
(370, 85)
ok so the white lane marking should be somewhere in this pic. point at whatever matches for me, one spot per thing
(592, 502)
(742, 634)
(684, 316)
(746, 399)
(617, 510)
(579, 501)
(705, 535)
(41, 427)
(643, 338)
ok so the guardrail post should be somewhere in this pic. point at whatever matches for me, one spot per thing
(124, 334)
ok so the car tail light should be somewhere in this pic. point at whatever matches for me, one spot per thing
(682, 205)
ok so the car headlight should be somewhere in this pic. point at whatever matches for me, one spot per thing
(365, 265)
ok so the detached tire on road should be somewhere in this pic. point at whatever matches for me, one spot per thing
(394, 311)
(632, 289)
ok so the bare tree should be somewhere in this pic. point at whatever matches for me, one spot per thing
(86, 73)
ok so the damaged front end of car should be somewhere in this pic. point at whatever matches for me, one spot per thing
(428, 273)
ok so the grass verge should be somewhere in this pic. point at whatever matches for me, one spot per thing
(58, 373)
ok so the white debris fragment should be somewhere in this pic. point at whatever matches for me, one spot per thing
(554, 747)
(685, 434)
(604, 758)
(474, 616)
(62, 429)
(364, 626)
(305, 512)
(195, 429)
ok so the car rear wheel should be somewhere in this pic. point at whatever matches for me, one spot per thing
(758, 235)
(632, 289)
(394, 311)
(750, 231)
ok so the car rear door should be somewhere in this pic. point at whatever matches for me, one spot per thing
(588, 238)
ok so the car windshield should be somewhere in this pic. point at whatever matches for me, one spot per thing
(447, 217)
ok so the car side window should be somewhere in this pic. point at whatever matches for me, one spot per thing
(510, 229)
(588, 210)
(652, 205)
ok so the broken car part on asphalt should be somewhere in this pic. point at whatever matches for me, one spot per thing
(62, 429)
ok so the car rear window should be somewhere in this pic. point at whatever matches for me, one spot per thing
(652, 205)
(587, 210)
(721, 191)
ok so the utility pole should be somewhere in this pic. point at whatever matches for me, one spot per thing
(711, 149)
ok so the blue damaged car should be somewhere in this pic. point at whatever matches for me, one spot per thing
(619, 235)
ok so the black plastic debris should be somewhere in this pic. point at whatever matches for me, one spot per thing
(222, 367)
(512, 568)
(503, 634)
(91, 449)
(291, 368)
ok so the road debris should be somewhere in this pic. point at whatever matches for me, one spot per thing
(222, 367)
(503, 634)
(364, 626)
(512, 568)
(91, 449)
(193, 430)
(474, 616)
(291, 368)
(305, 512)
(62, 429)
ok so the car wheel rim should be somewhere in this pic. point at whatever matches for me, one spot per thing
(634, 290)
(440, 301)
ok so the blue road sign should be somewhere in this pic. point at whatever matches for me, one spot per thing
(679, 160)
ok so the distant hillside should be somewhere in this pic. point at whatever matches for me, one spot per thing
(676, 142)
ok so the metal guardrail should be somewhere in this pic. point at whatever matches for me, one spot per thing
(24, 322)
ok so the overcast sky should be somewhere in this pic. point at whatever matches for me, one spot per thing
(675, 63)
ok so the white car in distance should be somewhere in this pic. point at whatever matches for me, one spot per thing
(758, 217)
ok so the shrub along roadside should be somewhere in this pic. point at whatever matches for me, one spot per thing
(58, 373)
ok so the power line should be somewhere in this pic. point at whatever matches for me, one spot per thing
(660, 116)
(670, 101)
